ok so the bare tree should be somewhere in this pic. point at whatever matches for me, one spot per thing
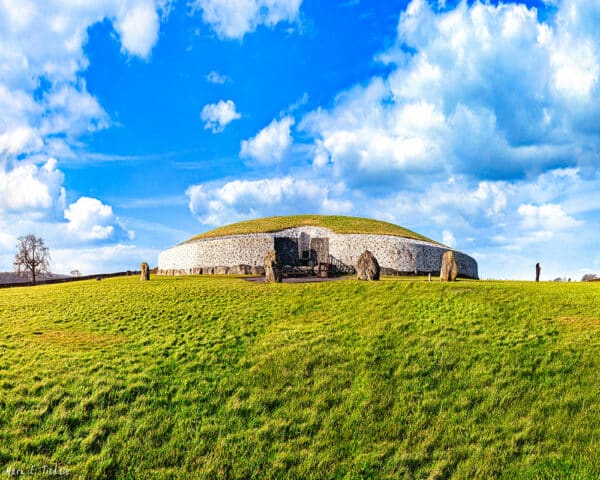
(32, 256)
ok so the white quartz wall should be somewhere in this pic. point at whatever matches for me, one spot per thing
(402, 255)
(221, 251)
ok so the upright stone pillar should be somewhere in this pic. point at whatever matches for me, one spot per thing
(449, 270)
(273, 271)
(145, 271)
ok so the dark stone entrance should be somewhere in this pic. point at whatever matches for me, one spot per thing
(303, 251)
(287, 251)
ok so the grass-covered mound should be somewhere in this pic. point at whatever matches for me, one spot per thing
(201, 377)
(335, 223)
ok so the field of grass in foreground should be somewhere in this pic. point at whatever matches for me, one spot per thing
(200, 377)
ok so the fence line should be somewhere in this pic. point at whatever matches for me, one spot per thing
(48, 281)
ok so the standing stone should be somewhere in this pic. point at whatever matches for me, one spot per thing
(449, 270)
(273, 271)
(367, 267)
(538, 270)
(145, 271)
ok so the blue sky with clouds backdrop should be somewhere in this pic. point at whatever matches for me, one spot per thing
(126, 126)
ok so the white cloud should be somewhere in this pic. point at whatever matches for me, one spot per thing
(486, 91)
(47, 38)
(46, 106)
(44, 100)
(217, 78)
(368, 141)
(91, 220)
(464, 209)
(138, 29)
(547, 217)
(243, 199)
(32, 188)
(575, 56)
(74, 112)
(235, 18)
(216, 116)
(270, 144)
(22, 139)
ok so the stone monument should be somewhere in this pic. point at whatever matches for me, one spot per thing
(144, 271)
(449, 270)
(367, 267)
(273, 271)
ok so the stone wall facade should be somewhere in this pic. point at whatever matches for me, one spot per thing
(239, 254)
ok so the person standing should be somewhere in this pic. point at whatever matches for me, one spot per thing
(538, 270)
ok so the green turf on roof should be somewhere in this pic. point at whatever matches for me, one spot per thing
(335, 223)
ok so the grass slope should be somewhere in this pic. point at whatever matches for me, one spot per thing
(335, 223)
(200, 377)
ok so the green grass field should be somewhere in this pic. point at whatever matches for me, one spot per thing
(205, 377)
(335, 223)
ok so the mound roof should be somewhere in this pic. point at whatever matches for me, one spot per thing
(335, 223)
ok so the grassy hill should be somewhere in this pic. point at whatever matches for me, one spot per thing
(335, 223)
(204, 377)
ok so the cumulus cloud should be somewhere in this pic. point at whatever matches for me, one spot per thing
(44, 101)
(21, 139)
(481, 90)
(367, 145)
(33, 189)
(547, 217)
(138, 29)
(270, 144)
(89, 220)
(235, 19)
(242, 199)
(73, 112)
(216, 116)
(47, 38)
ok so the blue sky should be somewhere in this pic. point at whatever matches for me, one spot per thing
(129, 125)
